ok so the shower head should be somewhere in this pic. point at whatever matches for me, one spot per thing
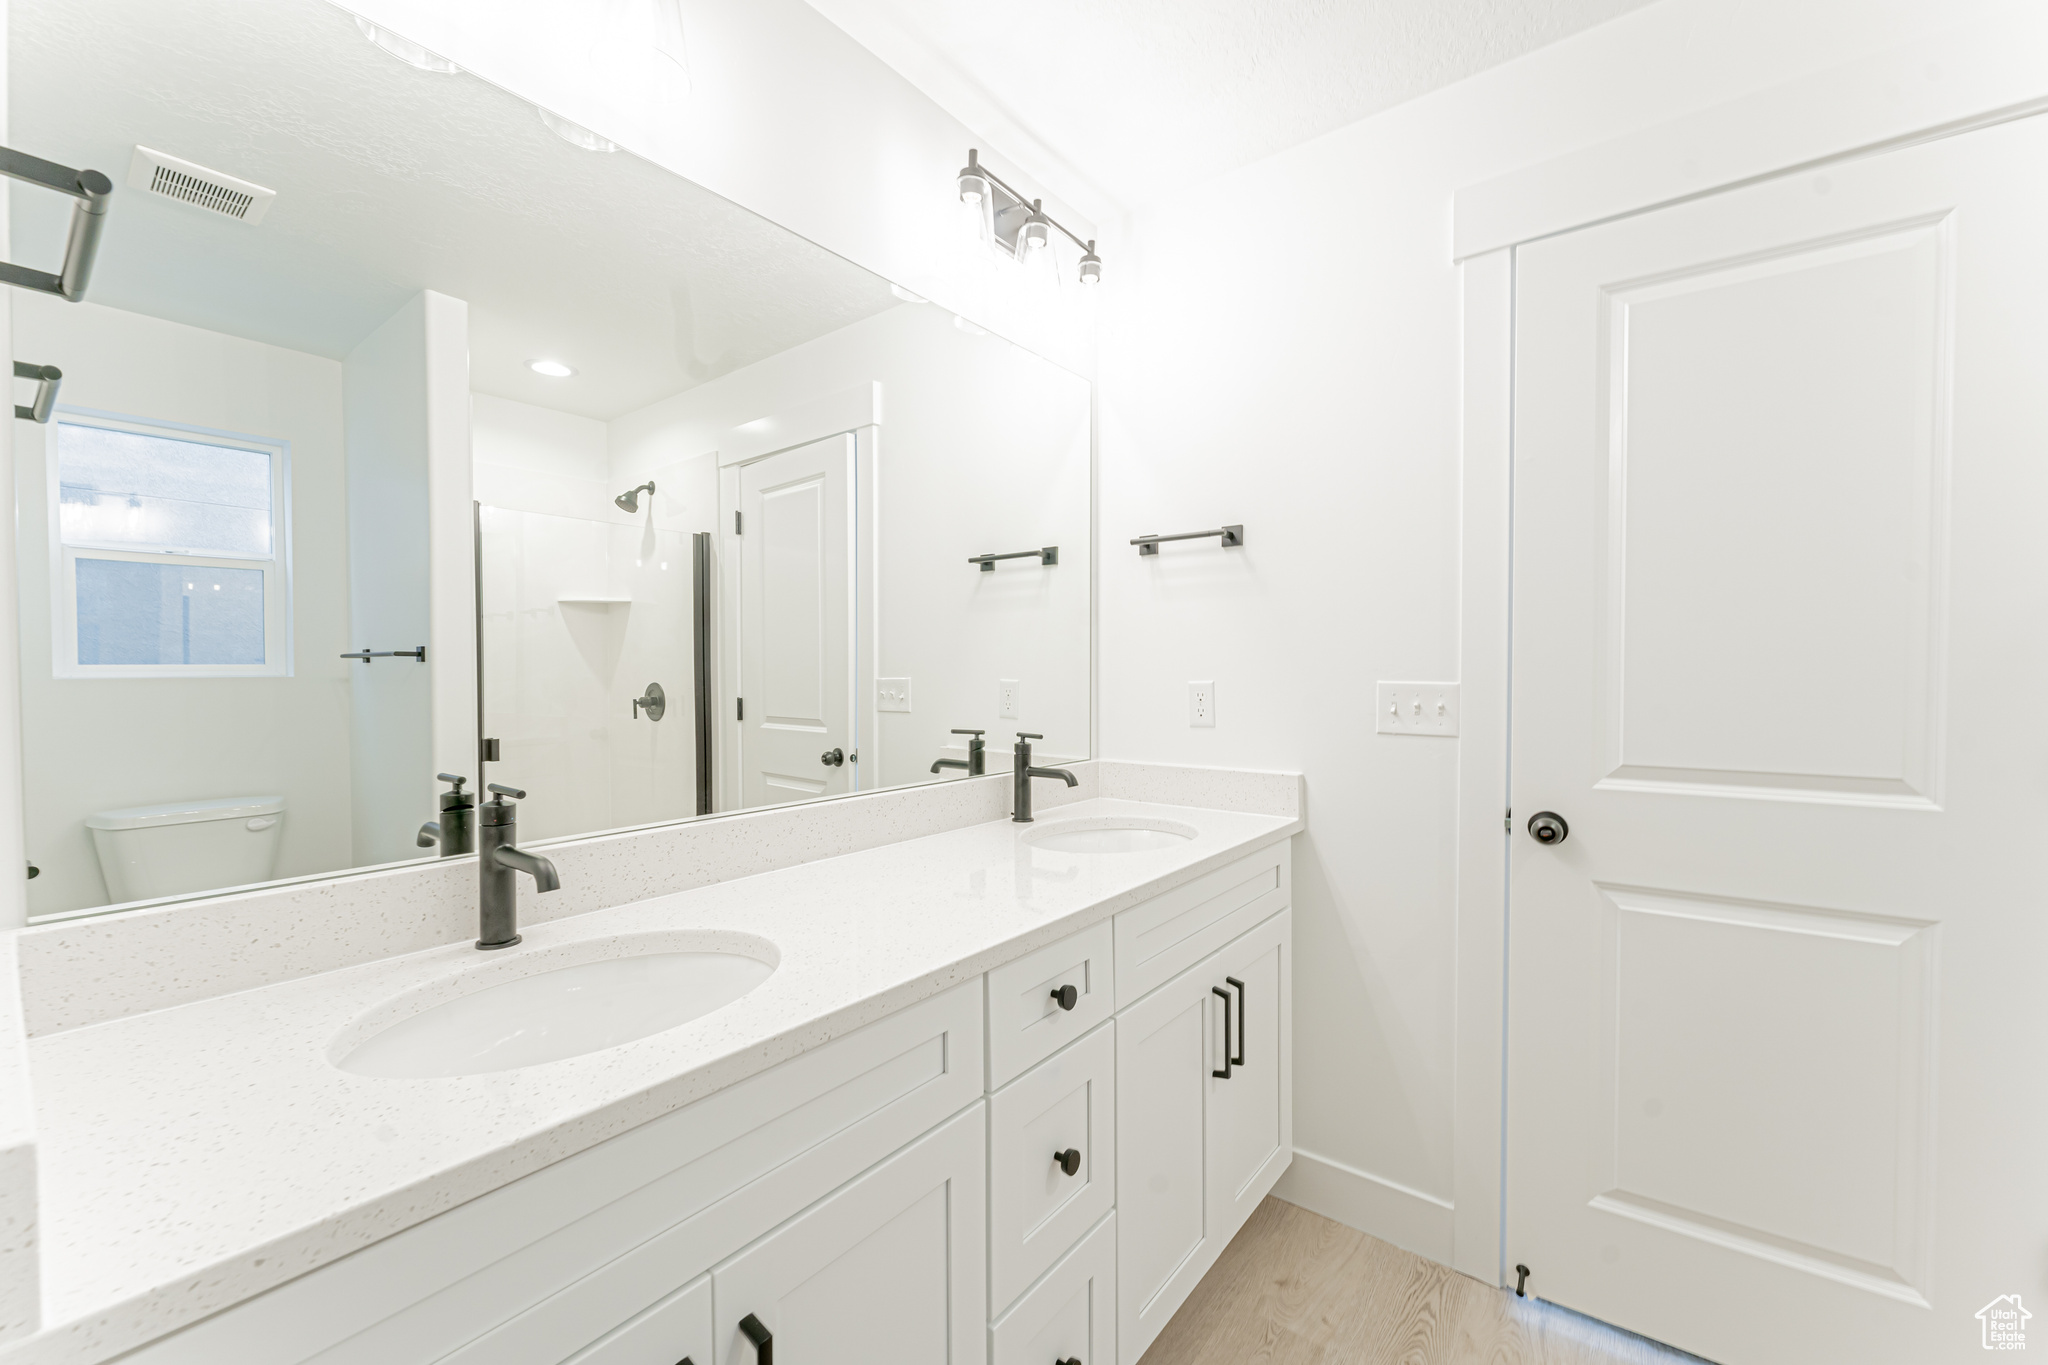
(630, 499)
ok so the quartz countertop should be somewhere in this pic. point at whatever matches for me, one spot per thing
(193, 1157)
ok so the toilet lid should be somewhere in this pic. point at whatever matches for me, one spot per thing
(186, 812)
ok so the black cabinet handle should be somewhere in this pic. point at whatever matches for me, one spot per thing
(1070, 1360)
(1224, 1074)
(1239, 1058)
(763, 1339)
(1069, 1160)
(686, 1361)
(1067, 996)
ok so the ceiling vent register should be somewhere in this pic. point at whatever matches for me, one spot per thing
(176, 178)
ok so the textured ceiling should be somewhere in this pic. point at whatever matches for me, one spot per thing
(391, 180)
(1134, 95)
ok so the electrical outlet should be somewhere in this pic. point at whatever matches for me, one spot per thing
(1007, 690)
(1202, 705)
(892, 694)
(1417, 709)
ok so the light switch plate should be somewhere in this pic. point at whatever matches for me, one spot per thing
(1202, 705)
(1417, 708)
(1007, 690)
(892, 694)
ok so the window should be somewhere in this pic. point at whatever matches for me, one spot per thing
(167, 551)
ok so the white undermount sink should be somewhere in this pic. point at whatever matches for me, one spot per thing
(1109, 834)
(555, 1003)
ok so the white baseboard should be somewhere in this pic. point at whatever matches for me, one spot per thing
(1410, 1219)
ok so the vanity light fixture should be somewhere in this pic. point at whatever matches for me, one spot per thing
(553, 369)
(1020, 227)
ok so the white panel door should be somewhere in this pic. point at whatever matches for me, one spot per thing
(1775, 1002)
(890, 1270)
(797, 623)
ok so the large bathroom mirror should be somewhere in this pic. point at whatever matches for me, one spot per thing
(393, 397)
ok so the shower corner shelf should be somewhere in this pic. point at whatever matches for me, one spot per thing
(587, 600)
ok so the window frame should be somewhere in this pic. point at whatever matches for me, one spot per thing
(63, 567)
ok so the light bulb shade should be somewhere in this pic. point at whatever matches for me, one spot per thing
(575, 134)
(405, 49)
(973, 185)
(1091, 268)
(1037, 232)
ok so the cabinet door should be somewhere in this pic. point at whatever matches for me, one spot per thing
(889, 1270)
(1251, 1115)
(1199, 1143)
(1166, 1045)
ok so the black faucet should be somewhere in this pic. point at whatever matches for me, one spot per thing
(976, 761)
(455, 831)
(1021, 774)
(497, 862)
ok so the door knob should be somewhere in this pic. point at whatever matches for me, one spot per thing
(832, 758)
(1548, 827)
(1067, 996)
(1069, 1160)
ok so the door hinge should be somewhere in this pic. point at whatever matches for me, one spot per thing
(1507, 822)
(736, 523)
(743, 708)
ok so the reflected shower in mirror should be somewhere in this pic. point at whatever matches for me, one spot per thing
(391, 400)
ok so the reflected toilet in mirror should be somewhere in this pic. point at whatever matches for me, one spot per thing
(398, 427)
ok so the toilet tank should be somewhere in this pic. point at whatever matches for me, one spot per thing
(185, 846)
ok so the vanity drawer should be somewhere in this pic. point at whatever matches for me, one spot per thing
(674, 1330)
(1163, 937)
(1068, 1315)
(1067, 1103)
(1025, 1020)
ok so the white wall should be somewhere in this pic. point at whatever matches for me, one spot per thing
(983, 449)
(100, 743)
(1295, 366)
(410, 570)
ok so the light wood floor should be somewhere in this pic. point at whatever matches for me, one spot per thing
(1298, 1289)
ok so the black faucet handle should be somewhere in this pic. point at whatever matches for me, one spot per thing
(513, 792)
(1022, 735)
(451, 777)
(976, 733)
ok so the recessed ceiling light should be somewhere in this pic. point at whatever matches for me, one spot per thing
(553, 369)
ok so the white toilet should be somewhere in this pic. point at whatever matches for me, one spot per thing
(184, 846)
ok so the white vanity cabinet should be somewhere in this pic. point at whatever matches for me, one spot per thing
(1041, 1162)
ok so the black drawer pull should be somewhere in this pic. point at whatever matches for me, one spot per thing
(1239, 1058)
(1067, 996)
(763, 1339)
(1070, 1360)
(1069, 1160)
(1224, 1074)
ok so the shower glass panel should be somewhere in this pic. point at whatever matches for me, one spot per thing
(578, 618)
